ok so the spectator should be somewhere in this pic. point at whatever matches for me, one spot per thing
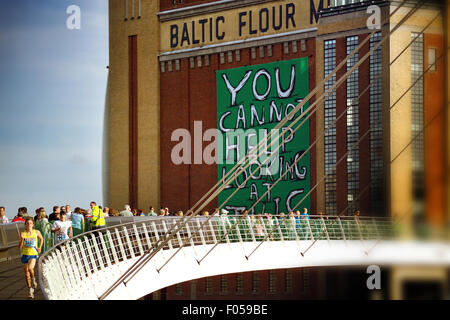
(98, 218)
(205, 213)
(3, 218)
(305, 214)
(216, 212)
(166, 211)
(36, 214)
(106, 212)
(152, 212)
(68, 212)
(127, 212)
(162, 212)
(63, 209)
(25, 213)
(62, 228)
(55, 214)
(179, 213)
(140, 213)
(19, 217)
(41, 216)
(77, 222)
(44, 228)
(113, 213)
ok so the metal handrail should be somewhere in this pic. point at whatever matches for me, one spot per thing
(76, 259)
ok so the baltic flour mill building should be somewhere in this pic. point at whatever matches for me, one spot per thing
(186, 75)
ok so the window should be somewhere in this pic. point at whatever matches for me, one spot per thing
(352, 128)
(376, 128)
(239, 283)
(255, 283)
(272, 282)
(417, 120)
(330, 136)
(288, 281)
(305, 280)
(223, 284)
(208, 286)
(178, 289)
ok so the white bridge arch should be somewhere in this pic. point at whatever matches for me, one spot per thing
(97, 265)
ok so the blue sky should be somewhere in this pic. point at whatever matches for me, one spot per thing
(52, 86)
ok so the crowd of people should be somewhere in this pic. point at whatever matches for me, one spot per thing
(63, 223)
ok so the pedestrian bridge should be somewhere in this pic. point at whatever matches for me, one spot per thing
(131, 260)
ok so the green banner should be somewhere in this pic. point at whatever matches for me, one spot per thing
(251, 101)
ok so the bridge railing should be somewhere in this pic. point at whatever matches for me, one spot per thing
(64, 266)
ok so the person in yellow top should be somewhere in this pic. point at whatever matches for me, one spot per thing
(30, 251)
(98, 218)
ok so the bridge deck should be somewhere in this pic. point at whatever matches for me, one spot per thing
(12, 282)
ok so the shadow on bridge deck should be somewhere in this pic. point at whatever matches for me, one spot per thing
(12, 282)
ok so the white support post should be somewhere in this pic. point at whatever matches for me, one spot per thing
(376, 228)
(325, 228)
(310, 230)
(79, 260)
(200, 231)
(113, 248)
(342, 229)
(169, 243)
(359, 229)
(91, 256)
(121, 247)
(130, 245)
(138, 240)
(250, 229)
(224, 228)
(191, 241)
(85, 263)
(97, 251)
(147, 238)
(277, 224)
(105, 250)
(213, 233)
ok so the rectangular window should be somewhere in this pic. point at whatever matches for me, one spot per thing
(208, 286)
(178, 289)
(352, 128)
(330, 136)
(223, 284)
(288, 281)
(305, 273)
(272, 282)
(376, 127)
(417, 121)
(255, 283)
(239, 284)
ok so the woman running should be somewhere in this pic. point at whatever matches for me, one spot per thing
(28, 245)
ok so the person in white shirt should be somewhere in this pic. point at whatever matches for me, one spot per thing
(3, 218)
(152, 212)
(127, 212)
(62, 228)
(68, 212)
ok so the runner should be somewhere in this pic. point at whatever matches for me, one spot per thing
(62, 228)
(28, 244)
